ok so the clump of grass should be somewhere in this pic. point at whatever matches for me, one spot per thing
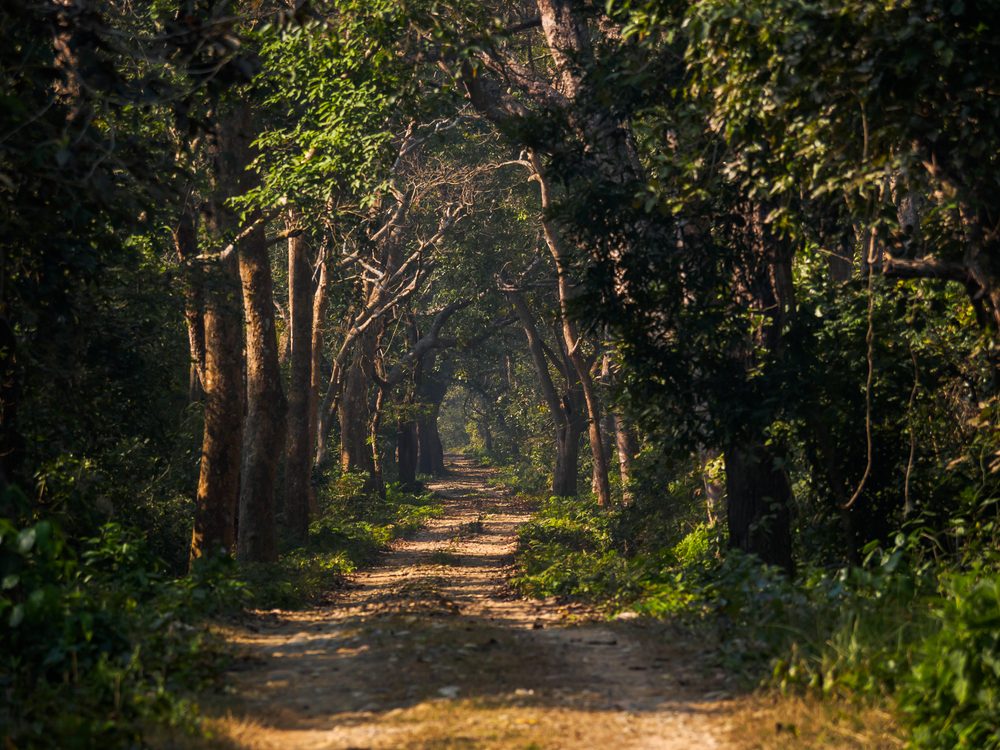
(444, 557)
(471, 528)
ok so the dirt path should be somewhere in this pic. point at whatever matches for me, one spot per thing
(431, 650)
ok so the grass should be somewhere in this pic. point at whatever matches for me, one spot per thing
(770, 720)
(351, 532)
(100, 646)
(909, 642)
(444, 557)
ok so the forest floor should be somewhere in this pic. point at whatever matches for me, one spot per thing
(431, 649)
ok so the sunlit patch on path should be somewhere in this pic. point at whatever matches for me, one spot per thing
(432, 650)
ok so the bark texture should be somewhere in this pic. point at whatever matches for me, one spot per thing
(627, 446)
(571, 338)
(264, 430)
(431, 452)
(186, 245)
(298, 456)
(219, 474)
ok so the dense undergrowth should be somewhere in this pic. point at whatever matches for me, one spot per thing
(100, 641)
(916, 626)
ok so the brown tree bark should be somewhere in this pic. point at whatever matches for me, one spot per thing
(571, 337)
(186, 245)
(219, 477)
(316, 364)
(627, 446)
(264, 429)
(298, 457)
(565, 411)
(354, 416)
(758, 505)
(431, 451)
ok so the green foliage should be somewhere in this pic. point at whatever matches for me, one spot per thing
(351, 531)
(951, 695)
(900, 627)
(97, 645)
(331, 93)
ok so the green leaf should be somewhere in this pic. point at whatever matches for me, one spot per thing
(26, 540)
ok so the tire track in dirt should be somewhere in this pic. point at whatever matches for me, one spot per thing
(431, 650)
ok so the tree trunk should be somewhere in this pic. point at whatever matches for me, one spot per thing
(298, 457)
(565, 474)
(431, 450)
(315, 367)
(627, 446)
(431, 391)
(566, 419)
(355, 454)
(759, 502)
(264, 431)
(219, 477)
(326, 416)
(219, 335)
(406, 455)
(186, 244)
(759, 494)
(378, 473)
(572, 339)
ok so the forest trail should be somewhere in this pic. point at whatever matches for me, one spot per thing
(432, 650)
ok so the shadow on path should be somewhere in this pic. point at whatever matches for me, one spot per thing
(432, 650)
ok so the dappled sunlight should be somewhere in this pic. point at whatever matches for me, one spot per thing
(432, 649)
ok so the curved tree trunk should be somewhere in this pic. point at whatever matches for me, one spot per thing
(572, 339)
(567, 418)
(378, 469)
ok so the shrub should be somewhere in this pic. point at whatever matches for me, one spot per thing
(97, 642)
(951, 696)
(352, 530)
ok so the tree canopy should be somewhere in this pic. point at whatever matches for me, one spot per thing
(727, 273)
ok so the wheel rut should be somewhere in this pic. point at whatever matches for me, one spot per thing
(431, 649)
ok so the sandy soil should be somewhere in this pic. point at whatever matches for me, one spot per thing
(432, 650)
